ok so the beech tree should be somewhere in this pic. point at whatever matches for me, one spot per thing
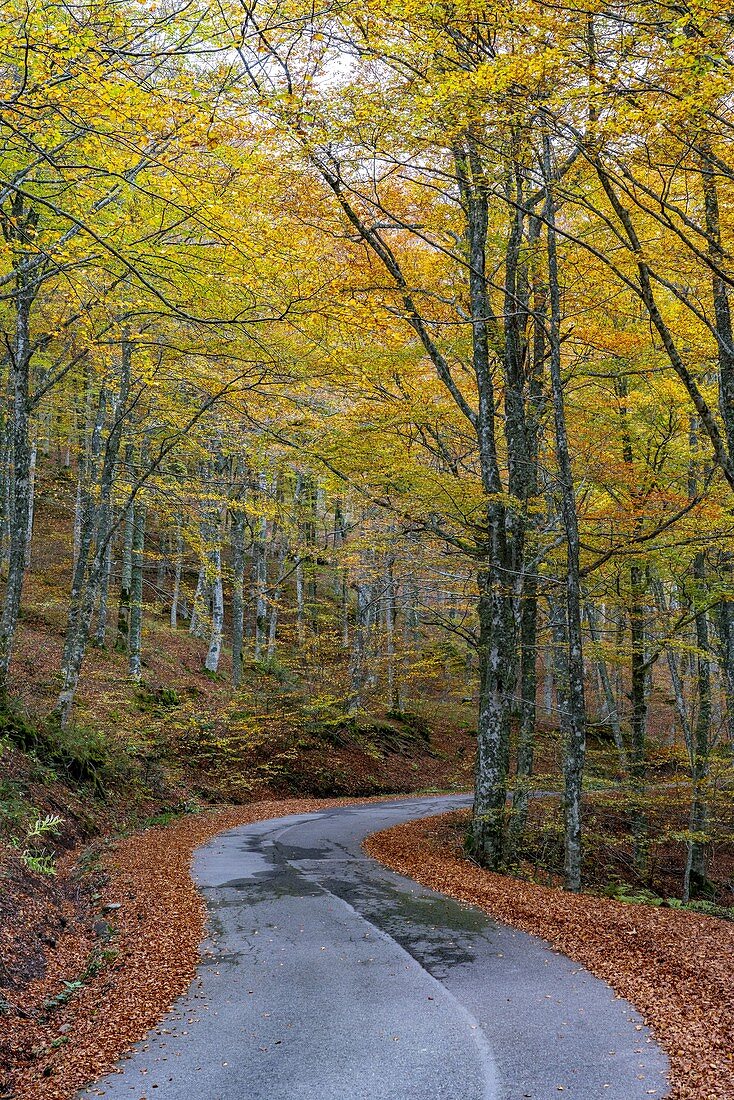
(379, 329)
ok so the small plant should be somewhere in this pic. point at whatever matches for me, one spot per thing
(39, 862)
(633, 895)
(156, 699)
(62, 998)
(271, 666)
(96, 963)
(99, 959)
(170, 813)
(165, 817)
(42, 865)
(42, 825)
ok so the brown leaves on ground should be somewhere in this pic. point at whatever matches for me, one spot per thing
(157, 932)
(676, 968)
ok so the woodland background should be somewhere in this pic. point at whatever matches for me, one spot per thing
(368, 423)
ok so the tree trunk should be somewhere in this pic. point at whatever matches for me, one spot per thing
(123, 611)
(211, 664)
(573, 713)
(724, 620)
(177, 571)
(275, 607)
(260, 571)
(136, 591)
(696, 873)
(359, 646)
(31, 501)
(393, 676)
(526, 487)
(101, 562)
(238, 601)
(76, 635)
(300, 604)
(638, 698)
(6, 460)
(100, 636)
(20, 360)
(526, 731)
(496, 581)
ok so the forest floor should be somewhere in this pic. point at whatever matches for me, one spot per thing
(69, 961)
(183, 733)
(676, 968)
(159, 750)
(123, 946)
(81, 982)
(132, 947)
(58, 957)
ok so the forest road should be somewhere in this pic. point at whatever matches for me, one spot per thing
(328, 977)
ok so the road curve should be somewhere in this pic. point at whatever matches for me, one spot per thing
(328, 977)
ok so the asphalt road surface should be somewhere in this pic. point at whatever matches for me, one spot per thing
(327, 977)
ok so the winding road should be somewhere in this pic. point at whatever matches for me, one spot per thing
(328, 977)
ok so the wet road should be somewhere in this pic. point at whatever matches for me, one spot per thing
(328, 977)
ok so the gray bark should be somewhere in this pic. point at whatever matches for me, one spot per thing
(17, 230)
(357, 656)
(275, 604)
(78, 507)
(496, 581)
(300, 604)
(217, 596)
(238, 601)
(100, 635)
(393, 677)
(77, 638)
(260, 570)
(6, 459)
(136, 591)
(300, 601)
(123, 611)
(177, 571)
(524, 442)
(31, 501)
(88, 527)
(573, 712)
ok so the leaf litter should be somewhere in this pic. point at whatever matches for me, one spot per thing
(676, 968)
